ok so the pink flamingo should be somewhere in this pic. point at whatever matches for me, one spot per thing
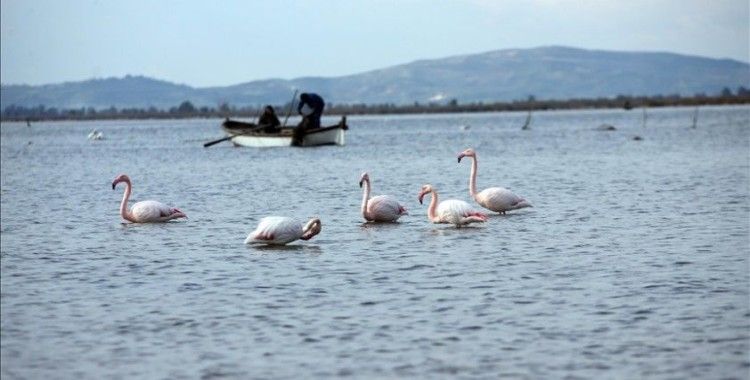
(144, 211)
(381, 208)
(498, 199)
(280, 230)
(451, 211)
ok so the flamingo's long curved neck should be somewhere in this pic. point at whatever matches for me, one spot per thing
(124, 205)
(431, 211)
(365, 197)
(473, 178)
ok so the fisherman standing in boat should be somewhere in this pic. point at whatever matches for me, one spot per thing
(269, 121)
(311, 108)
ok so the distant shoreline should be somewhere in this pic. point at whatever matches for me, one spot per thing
(188, 111)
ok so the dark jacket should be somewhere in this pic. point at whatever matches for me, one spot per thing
(269, 120)
(317, 104)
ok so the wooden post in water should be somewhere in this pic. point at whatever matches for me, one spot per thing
(527, 124)
(695, 118)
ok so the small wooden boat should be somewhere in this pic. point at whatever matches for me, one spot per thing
(252, 135)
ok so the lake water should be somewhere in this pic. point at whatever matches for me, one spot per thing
(633, 262)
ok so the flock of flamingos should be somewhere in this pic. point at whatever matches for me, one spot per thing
(280, 230)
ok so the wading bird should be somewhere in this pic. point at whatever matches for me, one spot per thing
(144, 211)
(498, 199)
(450, 211)
(380, 208)
(280, 230)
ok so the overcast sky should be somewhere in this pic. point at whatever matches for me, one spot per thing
(218, 43)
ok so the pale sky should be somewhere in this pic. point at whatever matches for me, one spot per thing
(219, 43)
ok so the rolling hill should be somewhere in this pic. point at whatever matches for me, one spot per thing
(546, 72)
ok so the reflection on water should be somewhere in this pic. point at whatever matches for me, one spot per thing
(290, 248)
(633, 262)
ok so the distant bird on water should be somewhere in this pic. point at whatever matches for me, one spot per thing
(144, 211)
(380, 208)
(280, 230)
(451, 211)
(95, 135)
(498, 199)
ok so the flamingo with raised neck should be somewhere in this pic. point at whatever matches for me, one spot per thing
(452, 211)
(280, 230)
(380, 208)
(144, 211)
(498, 199)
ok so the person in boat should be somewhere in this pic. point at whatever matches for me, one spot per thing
(269, 121)
(311, 108)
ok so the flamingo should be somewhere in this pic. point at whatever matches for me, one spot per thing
(381, 208)
(280, 230)
(144, 211)
(451, 211)
(498, 199)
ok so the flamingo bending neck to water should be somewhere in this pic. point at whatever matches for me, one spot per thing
(451, 211)
(498, 199)
(280, 230)
(144, 211)
(381, 208)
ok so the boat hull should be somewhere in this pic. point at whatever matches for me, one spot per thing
(247, 135)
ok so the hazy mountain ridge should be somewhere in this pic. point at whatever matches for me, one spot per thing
(547, 73)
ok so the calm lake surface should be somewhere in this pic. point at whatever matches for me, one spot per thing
(633, 262)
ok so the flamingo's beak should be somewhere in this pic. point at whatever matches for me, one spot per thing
(460, 156)
(181, 214)
(360, 183)
(114, 184)
(421, 196)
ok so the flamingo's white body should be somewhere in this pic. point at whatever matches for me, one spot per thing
(451, 211)
(498, 199)
(280, 230)
(144, 211)
(381, 208)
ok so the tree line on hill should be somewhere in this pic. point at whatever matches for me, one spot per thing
(187, 110)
